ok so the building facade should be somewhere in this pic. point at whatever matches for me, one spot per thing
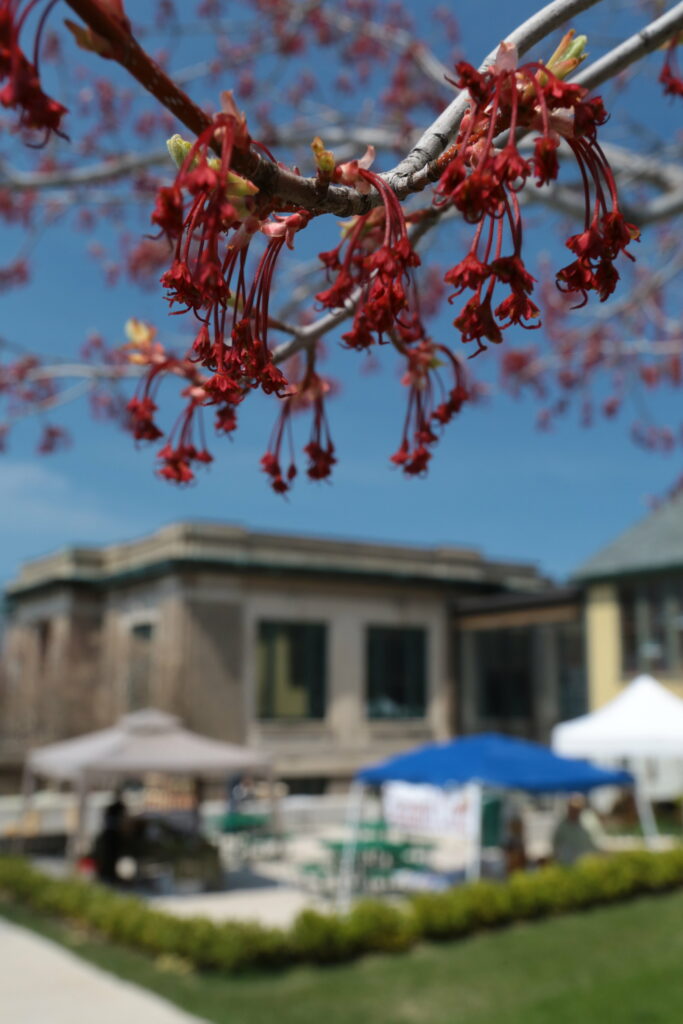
(328, 653)
(634, 605)
(522, 665)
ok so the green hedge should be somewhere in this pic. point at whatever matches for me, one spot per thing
(372, 926)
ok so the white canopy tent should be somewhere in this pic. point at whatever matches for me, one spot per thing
(641, 729)
(141, 743)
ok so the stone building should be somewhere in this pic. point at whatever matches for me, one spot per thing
(329, 653)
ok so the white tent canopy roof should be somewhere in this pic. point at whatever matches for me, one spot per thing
(142, 742)
(645, 720)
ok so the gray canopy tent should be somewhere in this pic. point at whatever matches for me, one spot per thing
(141, 743)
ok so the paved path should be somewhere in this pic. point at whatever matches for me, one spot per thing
(275, 907)
(41, 983)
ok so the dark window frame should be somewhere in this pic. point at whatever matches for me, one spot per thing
(403, 697)
(308, 667)
(506, 678)
(44, 629)
(140, 665)
(649, 613)
(572, 675)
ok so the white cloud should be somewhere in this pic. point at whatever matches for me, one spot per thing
(41, 510)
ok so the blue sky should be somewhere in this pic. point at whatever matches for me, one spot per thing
(496, 483)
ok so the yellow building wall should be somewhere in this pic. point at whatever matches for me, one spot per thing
(603, 644)
(603, 649)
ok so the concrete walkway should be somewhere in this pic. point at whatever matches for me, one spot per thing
(274, 907)
(41, 983)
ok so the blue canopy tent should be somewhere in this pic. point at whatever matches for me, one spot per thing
(493, 760)
(487, 760)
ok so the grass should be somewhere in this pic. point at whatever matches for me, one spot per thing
(616, 965)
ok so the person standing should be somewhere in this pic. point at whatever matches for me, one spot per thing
(572, 839)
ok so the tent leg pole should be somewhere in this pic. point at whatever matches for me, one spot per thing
(75, 840)
(276, 827)
(28, 788)
(273, 802)
(473, 866)
(646, 816)
(354, 811)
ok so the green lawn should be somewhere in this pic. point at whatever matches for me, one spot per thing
(619, 965)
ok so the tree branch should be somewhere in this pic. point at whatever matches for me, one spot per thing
(91, 174)
(83, 370)
(632, 49)
(411, 175)
(443, 130)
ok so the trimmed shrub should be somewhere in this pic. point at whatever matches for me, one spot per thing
(240, 946)
(371, 927)
(376, 927)
(321, 938)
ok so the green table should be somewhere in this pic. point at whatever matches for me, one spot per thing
(238, 821)
(375, 828)
(241, 832)
(375, 858)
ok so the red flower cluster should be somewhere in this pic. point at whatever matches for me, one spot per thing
(210, 236)
(521, 367)
(180, 451)
(23, 91)
(23, 386)
(670, 76)
(425, 413)
(53, 439)
(177, 458)
(13, 274)
(373, 264)
(310, 393)
(481, 181)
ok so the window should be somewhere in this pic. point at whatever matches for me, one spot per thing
(291, 670)
(505, 669)
(572, 695)
(629, 632)
(654, 650)
(140, 641)
(396, 672)
(648, 627)
(43, 636)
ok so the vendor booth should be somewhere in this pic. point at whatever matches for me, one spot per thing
(641, 729)
(142, 743)
(462, 769)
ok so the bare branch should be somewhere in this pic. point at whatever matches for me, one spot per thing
(70, 394)
(91, 174)
(85, 376)
(84, 371)
(569, 200)
(398, 39)
(129, 163)
(632, 49)
(643, 167)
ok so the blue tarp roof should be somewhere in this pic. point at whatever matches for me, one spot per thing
(495, 760)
